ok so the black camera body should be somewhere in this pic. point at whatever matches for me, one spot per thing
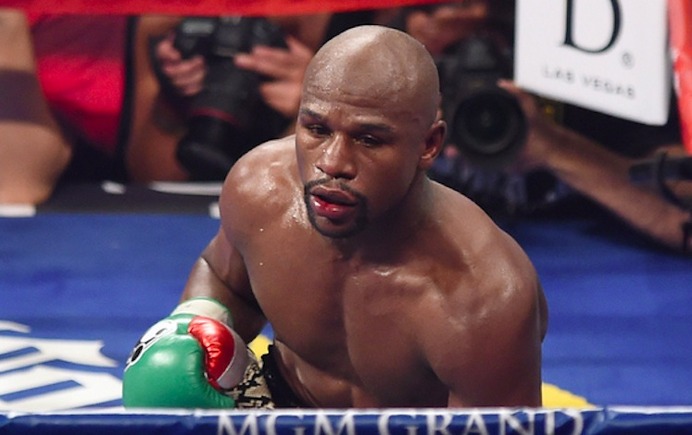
(228, 117)
(485, 122)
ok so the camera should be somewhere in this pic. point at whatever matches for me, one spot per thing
(228, 117)
(485, 122)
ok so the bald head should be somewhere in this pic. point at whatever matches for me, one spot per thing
(377, 62)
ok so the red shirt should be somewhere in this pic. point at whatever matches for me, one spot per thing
(81, 68)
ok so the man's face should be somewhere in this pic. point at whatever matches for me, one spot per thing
(358, 154)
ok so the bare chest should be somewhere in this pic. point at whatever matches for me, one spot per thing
(354, 326)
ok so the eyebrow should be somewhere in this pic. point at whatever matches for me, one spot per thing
(369, 127)
(310, 113)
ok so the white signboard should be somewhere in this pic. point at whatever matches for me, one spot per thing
(606, 55)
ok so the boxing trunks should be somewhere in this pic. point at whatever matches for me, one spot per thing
(264, 387)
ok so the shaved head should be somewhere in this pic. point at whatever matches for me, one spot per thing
(377, 62)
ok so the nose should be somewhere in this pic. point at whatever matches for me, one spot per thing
(336, 158)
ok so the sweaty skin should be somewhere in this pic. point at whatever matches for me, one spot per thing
(383, 288)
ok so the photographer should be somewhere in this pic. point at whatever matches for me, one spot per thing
(562, 155)
(278, 72)
(602, 173)
(472, 44)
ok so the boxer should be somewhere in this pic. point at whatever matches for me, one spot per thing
(383, 287)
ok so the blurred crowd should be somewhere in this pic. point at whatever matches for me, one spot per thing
(159, 98)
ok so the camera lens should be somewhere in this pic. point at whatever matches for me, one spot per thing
(489, 127)
(205, 150)
(229, 116)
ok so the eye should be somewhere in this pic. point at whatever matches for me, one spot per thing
(317, 130)
(369, 140)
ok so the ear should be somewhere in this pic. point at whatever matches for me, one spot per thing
(434, 141)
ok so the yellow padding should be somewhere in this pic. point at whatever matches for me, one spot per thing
(555, 397)
(259, 345)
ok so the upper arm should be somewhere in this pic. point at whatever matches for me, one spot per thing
(220, 273)
(504, 365)
(492, 353)
(221, 270)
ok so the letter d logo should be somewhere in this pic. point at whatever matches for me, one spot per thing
(569, 28)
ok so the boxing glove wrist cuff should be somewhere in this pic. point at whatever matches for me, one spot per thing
(207, 307)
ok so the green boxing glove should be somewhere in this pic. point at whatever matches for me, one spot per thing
(186, 360)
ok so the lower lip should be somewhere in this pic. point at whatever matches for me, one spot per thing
(330, 210)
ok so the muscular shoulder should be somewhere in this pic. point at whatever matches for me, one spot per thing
(495, 272)
(260, 185)
(493, 311)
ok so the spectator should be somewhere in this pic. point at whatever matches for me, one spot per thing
(570, 152)
(184, 78)
(87, 106)
(602, 173)
(71, 84)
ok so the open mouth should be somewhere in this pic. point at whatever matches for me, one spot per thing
(333, 204)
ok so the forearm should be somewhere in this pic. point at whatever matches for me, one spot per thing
(156, 125)
(151, 148)
(248, 319)
(604, 177)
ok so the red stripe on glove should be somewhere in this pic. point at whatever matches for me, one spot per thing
(223, 365)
